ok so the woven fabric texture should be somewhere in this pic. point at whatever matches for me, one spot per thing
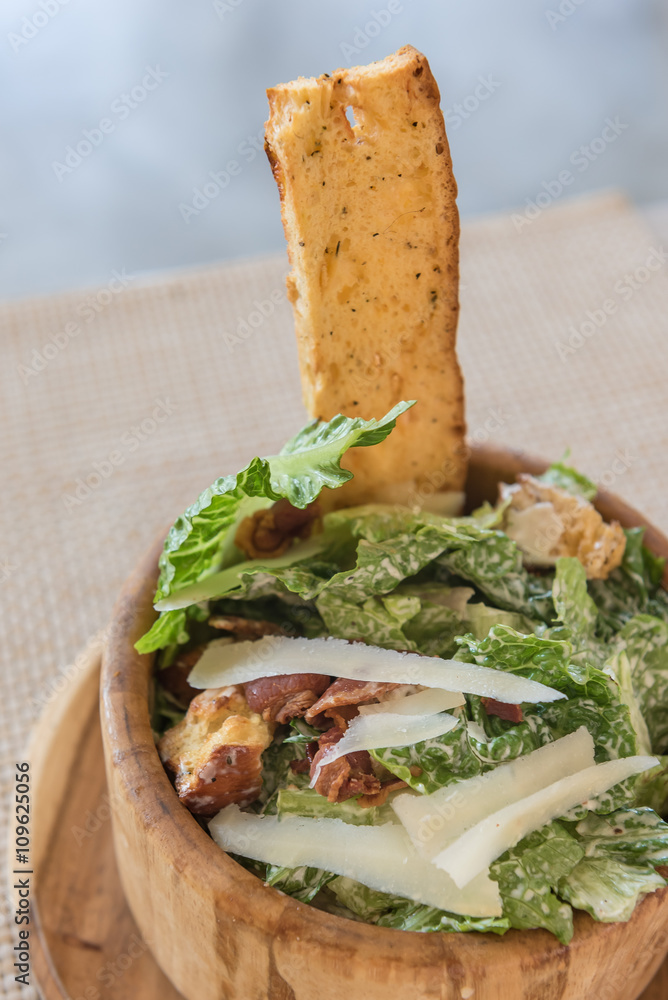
(118, 405)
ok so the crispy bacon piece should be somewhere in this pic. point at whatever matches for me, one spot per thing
(304, 766)
(380, 798)
(245, 628)
(346, 777)
(175, 677)
(278, 699)
(511, 713)
(215, 753)
(270, 532)
(662, 871)
(344, 693)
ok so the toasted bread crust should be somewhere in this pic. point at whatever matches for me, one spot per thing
(577, 528)
(215, 752)
(372, 227)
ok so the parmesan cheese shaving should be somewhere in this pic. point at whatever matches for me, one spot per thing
(427, 702)
(381, 857)
(436, 820)
(274, 656)
(375, 732)
(473, 852)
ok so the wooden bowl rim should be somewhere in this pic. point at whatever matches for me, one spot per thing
(189, 849)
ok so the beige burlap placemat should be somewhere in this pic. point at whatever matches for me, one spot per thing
(121, 403)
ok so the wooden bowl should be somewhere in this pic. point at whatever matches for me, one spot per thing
(218, 932)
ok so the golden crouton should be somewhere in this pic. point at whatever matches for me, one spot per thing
(215, 752)
(547, 523)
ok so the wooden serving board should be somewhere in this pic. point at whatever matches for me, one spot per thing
(85, 942)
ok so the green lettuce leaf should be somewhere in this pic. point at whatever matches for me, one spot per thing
(608, 889)
(301, 883)
(493, 562)
(593, 700)
(201, 541)
(308, 802)
(277, 773)
(566, 478)
(403, 914)
(479, 619)
(527, 875)
(542, 658)
(506, 740)
(652, 788)
(433, 629)
(632, 835)
(577, 610)
(375, 621)
(644, 641)
(434, 763)
(633, 588)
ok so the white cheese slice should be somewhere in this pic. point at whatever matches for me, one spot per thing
(373, 732)
(479, 846)
(381, 857)
(436, 820)
(274, 656)
(427, 702)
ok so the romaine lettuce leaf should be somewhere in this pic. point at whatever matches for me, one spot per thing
(632, 589)
(394, 621)
(652, 788)
(308, 802)
(608, 889)
(404, 914)
(505, 740)
(619, 666)
(593, 701)
(434, 763)
(644, 640)
(567, 478)
(433, 629)
(493, 562)
(528, 873)
(479, 619)
(633, 835)
(376, 621)
(577, 610)
(277, 773)
(541, 658)
(301, 883)
(200, 542)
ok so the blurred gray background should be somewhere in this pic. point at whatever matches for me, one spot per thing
(527, 87)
